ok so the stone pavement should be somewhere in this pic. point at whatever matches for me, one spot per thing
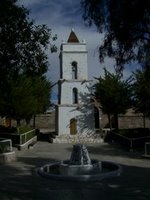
(19, 180)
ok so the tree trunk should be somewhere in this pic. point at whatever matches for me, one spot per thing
(34, 121)
(144, 122)
(28, 122)
(116, 121)
(109, 121)
(18, 123)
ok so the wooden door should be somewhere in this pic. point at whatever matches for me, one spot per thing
(73, 126)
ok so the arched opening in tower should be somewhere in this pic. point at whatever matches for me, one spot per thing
(75, 96)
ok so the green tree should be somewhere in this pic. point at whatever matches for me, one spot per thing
(142, 92)
(22, 99)
(113, 94)
(141, 88)
(22, 49)
(126, 27)
(30, 96)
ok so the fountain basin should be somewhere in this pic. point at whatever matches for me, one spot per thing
(93, 168)
(80, 167)
(55, 171)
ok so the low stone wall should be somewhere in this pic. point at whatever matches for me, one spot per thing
(45, 121)
(130, 120)
(127, 121)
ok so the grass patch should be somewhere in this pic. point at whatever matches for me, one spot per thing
(23, 129)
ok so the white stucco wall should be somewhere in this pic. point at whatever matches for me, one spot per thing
(74, 47)
(70, 53)
(84, 116)
(67, 90)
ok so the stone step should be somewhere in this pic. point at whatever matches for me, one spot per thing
(78, 139)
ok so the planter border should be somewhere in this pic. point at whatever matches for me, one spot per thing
(7, 157)
(26, 145)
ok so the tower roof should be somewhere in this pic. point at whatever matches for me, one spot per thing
(72, 37)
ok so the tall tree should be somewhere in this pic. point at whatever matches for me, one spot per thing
(141, 88)
(114, 95)
(22, 49)
(142, 91)
(125, 24)
(29, 96)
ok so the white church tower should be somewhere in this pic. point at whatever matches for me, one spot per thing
(74, 112)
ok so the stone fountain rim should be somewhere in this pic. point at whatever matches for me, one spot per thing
(66, 162)
(81, 178)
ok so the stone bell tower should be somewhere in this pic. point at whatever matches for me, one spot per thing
(74, 112)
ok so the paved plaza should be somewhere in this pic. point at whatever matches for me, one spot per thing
(19, 180)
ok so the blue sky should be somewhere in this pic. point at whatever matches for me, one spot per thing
(61, 16)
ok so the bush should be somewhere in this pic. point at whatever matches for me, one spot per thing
(134, 133)
(4, 129)
(131, 138)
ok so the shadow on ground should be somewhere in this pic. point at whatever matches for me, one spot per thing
(132, 184)
(36, 161)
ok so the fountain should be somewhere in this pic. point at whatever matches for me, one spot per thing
(80, 167)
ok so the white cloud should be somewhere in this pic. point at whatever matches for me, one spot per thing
(29, 3)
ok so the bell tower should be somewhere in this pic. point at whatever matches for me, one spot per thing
(74, 113)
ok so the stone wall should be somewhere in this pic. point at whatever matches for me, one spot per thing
(126, 121)
(44, 121)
